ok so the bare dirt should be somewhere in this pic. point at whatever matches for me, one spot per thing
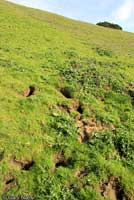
(9, 181)
(86, 127)
(112, 189)
(22, 164)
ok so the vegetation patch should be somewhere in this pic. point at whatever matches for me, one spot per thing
(74, 140)
(109, 25)
(1, 155)
(103, 52)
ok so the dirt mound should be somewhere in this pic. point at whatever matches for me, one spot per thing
(86, 127)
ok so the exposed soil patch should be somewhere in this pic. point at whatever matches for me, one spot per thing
(10, 181)
(112, 189)
(64, 107)
(81, 173)
(27, 165)
(30, 91)
(86, 127)
(1, 155)
(22, 164)
(75, 106)
(61, 161)
(66, 92)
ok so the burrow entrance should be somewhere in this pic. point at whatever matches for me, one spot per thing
(66, 92)
(22, 164)
(29, 92)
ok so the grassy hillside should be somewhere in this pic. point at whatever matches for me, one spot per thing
(67, 108)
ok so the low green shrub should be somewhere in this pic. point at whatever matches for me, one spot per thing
(109, 25)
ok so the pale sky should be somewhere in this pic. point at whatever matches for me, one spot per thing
(93, 11)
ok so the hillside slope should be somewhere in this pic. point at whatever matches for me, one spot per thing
(67, 107)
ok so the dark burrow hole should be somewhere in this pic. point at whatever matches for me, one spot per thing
(116, 187)
(131, 93)
(22, 164)
(30, 91)
(10, 181)
(28, 165)
(63, 163)
(66, 92)
(120, 195)
(80, 109)
(1, 155)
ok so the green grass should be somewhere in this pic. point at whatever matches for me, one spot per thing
(96, 64)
